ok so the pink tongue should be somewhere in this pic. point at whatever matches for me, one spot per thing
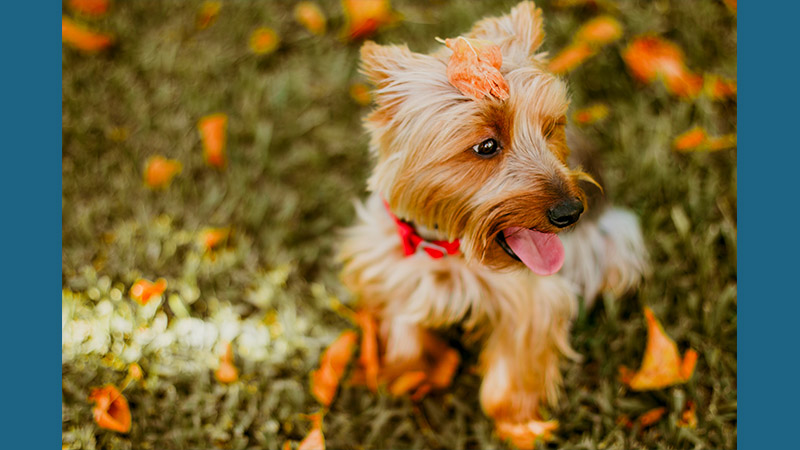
(543, 253)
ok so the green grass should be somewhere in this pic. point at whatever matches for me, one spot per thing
(297, 157)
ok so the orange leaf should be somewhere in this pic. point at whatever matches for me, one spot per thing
(474, 68)
(159, 171)
(310, 16)
(599, 31)
(314, 440)
(591, 114)
(652, 416)
(407, 382)
(571, 57)
(144, 290)
(722, 142)
(369, 349)
(441, 375)
(227, 371)
(212, 237)
(661, 365)
(692, 139)
(212, 132)
(360, 93)
(688, 416)
(95, 8)
(264, 41)
(207, 14)
(421, 392)
(111, 409)
(365, 17)
(82, 38)
(325, 380)
(135, 372)
(524, 435)
(650, 57)
(718, 88)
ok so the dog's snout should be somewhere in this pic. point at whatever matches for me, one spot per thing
(565, 213)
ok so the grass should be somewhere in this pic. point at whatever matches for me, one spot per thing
(297, 156)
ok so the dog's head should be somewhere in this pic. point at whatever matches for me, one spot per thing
(492, 173)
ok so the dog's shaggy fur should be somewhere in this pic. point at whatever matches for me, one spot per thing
(423, 131)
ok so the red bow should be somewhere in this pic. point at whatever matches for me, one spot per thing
(411, 240)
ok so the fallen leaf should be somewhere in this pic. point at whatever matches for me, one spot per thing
(650, 58)
(570, 57)
(227, 371)
(369, 359)
(333, 362)
(406, 382)
(207, 14)
(474, 68)
(688, 416)
(599, 31)
(93, 8)
(360, 93)
(212, 133)
(135, 372)
(309, 15)
(719, 88)
(111, 409)
(314, 440)
(697, 139)
(159, 171)
(364, 17)
(145, 290)
(421, 392)
(652, 416)
(591, 114)
(212, 237)
(82, 38)
(264, 41)
(445, 361)
(661, 365)
(525, 435)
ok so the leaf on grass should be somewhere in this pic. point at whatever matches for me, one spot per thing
(210, 238)
(264, 41)
(445, 361)
(212, 130)
(364, 17)
(135, 372)
(525, 435)
(474, 68)
(93, 8)
(652, 416)
(570, 57)
(111, 409)
(159, 171)
(145, 290)
(688, 416)
(600, 31)
(369, 359)
(227, 371)
(314, 440)
(697, 139)
(650, 58)
(309, 15)
(325, 380)
(406, 382)
(591, 114)
(719, 88)
(207, 14)
(82, 38)
(662, 365)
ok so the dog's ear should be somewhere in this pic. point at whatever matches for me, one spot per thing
(519, 33)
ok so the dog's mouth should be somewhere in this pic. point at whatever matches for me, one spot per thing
(542, 253)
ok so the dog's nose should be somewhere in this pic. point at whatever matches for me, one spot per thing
(565, 213)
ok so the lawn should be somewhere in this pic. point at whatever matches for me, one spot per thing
(296, 158)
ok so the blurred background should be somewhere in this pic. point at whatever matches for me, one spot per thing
(211, 153)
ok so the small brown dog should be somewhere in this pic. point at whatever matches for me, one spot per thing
(467, 197)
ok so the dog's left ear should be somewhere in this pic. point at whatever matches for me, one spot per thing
(519, 33)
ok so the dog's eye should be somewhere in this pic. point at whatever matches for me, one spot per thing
(487, 148)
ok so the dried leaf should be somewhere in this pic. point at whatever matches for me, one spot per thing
(365, 17)
(93, 8)
(227, 371)
(135, 372)
(525, 435)
(697, 139)
(210, 238)
(369, 360)
(591, 114)
(649, 58)
(314, 440)
(474, 68)
(325, 380)
(661, 365)
(652, 416)
(111, 409)
(600, 31)
(212, 133)
(145, 290)
(688, 416)
(207, 14)
(264, 41)
(309, 15)
(445, 361)
(159, 171)
(406, 382)
(570, 57)
(719, 88)
(82, 38)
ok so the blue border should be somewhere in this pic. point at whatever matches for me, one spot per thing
(769, 157)
(31, 225)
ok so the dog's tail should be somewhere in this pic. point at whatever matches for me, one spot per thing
(605, 252)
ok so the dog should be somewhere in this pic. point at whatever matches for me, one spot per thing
(480, 217)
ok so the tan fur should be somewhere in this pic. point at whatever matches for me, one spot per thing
(422, 133)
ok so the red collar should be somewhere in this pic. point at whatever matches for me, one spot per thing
(411, 240)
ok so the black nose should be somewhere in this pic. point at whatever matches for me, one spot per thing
(565, 213)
